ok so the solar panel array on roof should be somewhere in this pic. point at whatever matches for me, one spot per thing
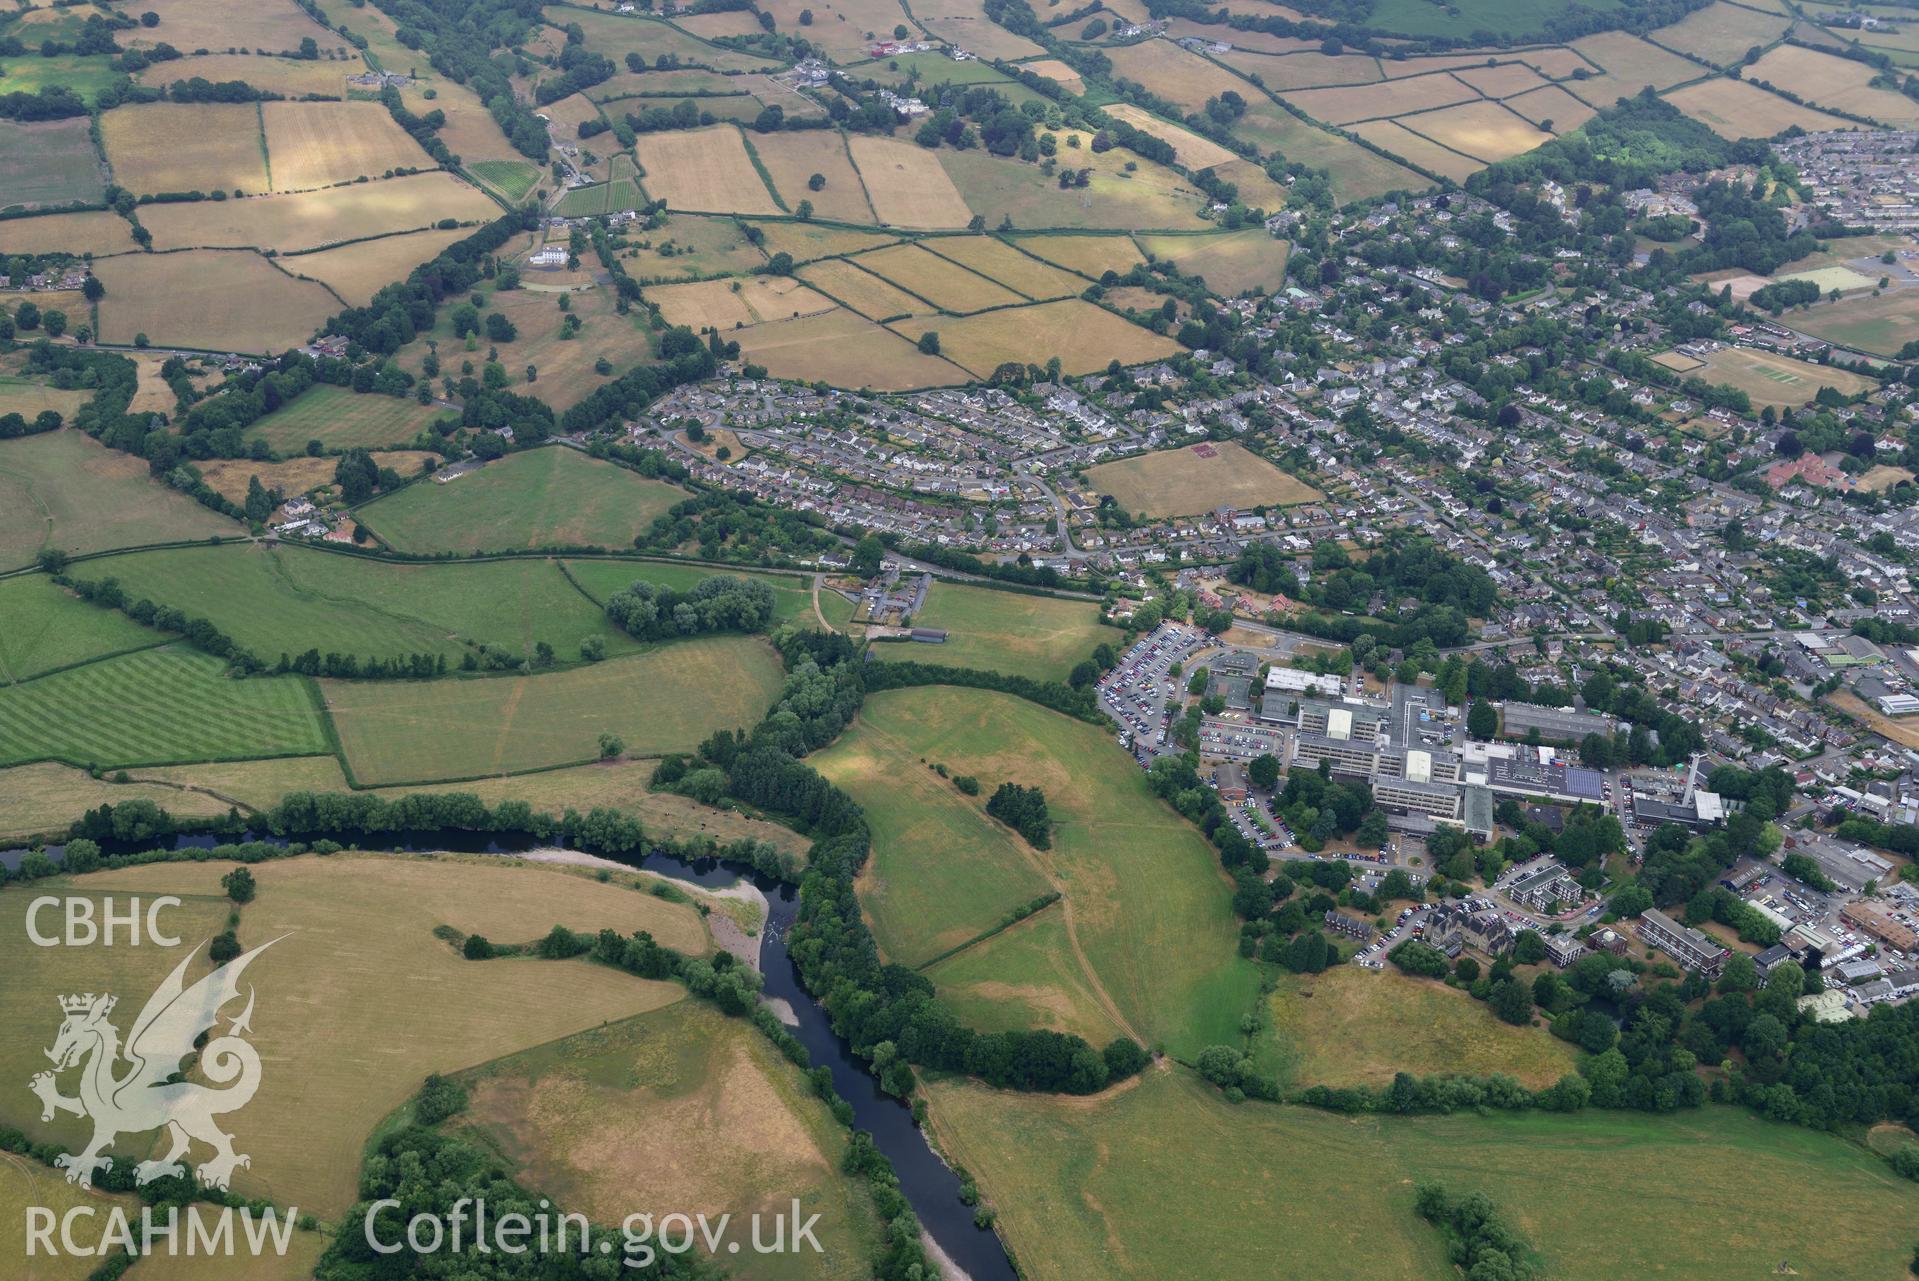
(1586, 783)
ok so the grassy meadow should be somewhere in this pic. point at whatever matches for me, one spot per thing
(341, 419)
(665, 700)
(1133, 1184)
(67, 491)
(40, 800)
(792, 595)
(1037, 636)
(48, 628)
(548, 497)
(1149, 916)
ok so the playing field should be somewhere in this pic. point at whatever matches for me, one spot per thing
(48, 628)
(62, 489)
(679, 1110)
(220, 300)
(551, 497)
(294, 77)
(734, 304)
(1779, 381)
(340, 1055)
(1735, 109)
(1147, 912)
(794, 158)
(991, 256)
(155, 706)
(342, 419)
(157, 147)
(91, 232)
(1231, 263)
(287, 600)
(1198, 478)
(1090, 256)
(1084, 337)
(665, 700)
(792, 594)
(844, 349)
(1127, 1185)
(309, 220)
(703, 170)
(946, 285)
(1037, 636)
(47, 163)
(358, 271)
(906, 184)
(1351, 1026)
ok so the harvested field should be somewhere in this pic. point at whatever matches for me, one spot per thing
(95, 232)
(273, 25)
(1779, 381)
(552, 497)
(793, 158)
(1483, 129)
(846, 350)
(358, 271)
(48, 163)
(64, 489)
(1556, 63)
(809, 241)
(213, 299)
(1404, 99)
(860, 290)
(689, 246)
(1090, 256)
(907, 185)
(964, 23)
(294, 77)
(165, 705)
(1058, 72)
(317, 144)
(1308, 70)
(946, 285)
(1174, 73)
(1503, 81)
(49, 628)
(295, 476)
(739, 22)
(665, 700)
(991, 256)
(1189, 148)
(703, 170)
(1735, 109)
(1183, 482)
(1390, 135)
(1904, 731)
(1231, 262)
(1083, 336)
(1630, 65)
(1552, 107)
(1721, 33)
(342, 419)
(313, 219)
(1828, 81)
(734, 304)
(1115, 198)
(157, 147)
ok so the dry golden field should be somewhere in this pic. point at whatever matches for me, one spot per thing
(845, 350)
(793, 158)
(704, 170)
(732, 304)
(158, 147)
(294, 77)
(964, 23)
(358, 271)
(1552, 107)
(1483, 129)
(808, 241)
(313, 219)
(1084, 337)
(223, 300)
(1305, 70)
(277, 26)
(295, 476)
(1231, 262)
(1369, 102)
(1828, 81)
(946, 285)
(1091, 256)
(1630, 65)
(1055, 70)
(907, 184)
(1735, 109)
(1721, 33)
(1188, 147)
(1182, 482)
(316, 144)
(861, 290)
(991, 256)
(1779, 381)
(97, 232)
(1501, 81)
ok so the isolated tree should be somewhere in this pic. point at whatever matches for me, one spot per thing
(611, 746)
(239, 885)
(930, 343)
(816, 183)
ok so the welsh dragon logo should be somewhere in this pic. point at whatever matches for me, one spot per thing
(151, 1092)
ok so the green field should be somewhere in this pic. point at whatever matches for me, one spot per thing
(603, 1122)
(1135, 1184)
(45, 627)
(550, 497)
(1146, 906)
(662, 701)
(287, 600)
(1466, 17)
(1024, 977)
(1037, 636)
(342, 419)
(792, 596)
(50, 163)
(1880, 325)
(63, 490)
(511, 178)
(86, 76)
(158, 706)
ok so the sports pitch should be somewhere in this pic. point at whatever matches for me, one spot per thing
(1197, 478)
